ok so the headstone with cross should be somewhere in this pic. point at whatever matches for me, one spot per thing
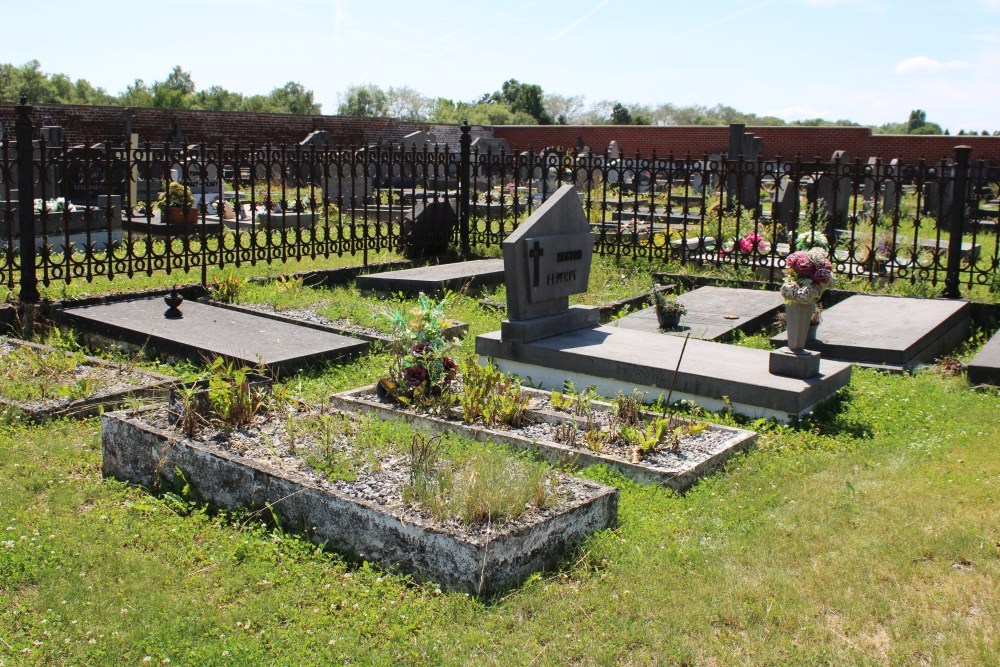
(547, 259)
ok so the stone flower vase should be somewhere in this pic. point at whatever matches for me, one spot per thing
(797, 318)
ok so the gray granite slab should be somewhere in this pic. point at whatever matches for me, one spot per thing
(206, 330)
(615, 359)
(713, 313)
(985, 366)
(889, 330)
(437, 278)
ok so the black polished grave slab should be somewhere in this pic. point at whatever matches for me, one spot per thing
(985, 366)
(205, 331)
(437, 278)
(713, 313)
(890, 331)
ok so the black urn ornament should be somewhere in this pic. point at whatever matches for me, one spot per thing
(173, 301)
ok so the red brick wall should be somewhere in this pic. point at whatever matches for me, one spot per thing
(785, 141)
(85, 123)
(91, 124)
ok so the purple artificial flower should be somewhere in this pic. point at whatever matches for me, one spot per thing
(414, 376)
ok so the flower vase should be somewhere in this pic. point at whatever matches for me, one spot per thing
(797, 318)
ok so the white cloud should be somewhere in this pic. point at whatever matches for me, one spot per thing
(925, 65)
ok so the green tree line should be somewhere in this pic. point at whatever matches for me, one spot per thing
(176, 91)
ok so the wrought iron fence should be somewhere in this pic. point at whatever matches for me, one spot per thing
(78, 212)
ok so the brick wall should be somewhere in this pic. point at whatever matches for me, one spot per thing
(86, 124)
(785, 141)
(93, 124)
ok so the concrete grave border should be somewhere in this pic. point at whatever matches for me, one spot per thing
(678, 479)
(141, 454)
(156, 387)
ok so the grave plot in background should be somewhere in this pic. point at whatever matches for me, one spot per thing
(206, 331)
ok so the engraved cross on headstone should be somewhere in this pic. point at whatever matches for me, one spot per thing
(536, 253)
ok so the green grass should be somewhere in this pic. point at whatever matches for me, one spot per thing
(868, 533)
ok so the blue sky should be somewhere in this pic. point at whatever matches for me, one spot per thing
(871, 61)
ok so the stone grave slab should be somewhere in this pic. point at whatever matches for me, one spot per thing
(615, 358)
(206, 331)
(985, 366)
(437, 278)
(889, 331)
(713, 313)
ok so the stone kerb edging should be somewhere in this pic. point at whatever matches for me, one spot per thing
(136, 452)
(679, 478)
(155, 387)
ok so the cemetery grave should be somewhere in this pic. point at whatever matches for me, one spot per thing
(436, 278)
(984, 368)
(889, 331)
(48, 382)
(547, 259)
(205, 330)
(361, 491)
(713, 313)
(574, 429)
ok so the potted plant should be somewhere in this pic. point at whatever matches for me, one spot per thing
(176, 204)
(668, 309)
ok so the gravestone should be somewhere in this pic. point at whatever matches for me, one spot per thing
(613, 152)
(890, 194)
(416, 141)
(786, 202)
(85, 176)
(176, 137)
(546, 259)
(871, 188)
(491, 145)
(428, 230)
(833, 192)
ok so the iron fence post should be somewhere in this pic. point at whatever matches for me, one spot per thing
(26, 202)
(464, 167)
(952, 274)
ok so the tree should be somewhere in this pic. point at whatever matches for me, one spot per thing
(408, 104)
(479, 113)
(294, 98)
(524, 97)
(564, 109)
(620, 115)
(174, 92)
(369, 100)
(918, 118)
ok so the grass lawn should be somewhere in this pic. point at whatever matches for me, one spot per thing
(866, 534)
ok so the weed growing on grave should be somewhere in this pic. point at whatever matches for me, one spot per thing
(475, 484)
(33, 374)
(227, 286)
(491, 396)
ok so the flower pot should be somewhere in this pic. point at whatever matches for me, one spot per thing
(797, 317)
(179, 214)
(668, 320)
